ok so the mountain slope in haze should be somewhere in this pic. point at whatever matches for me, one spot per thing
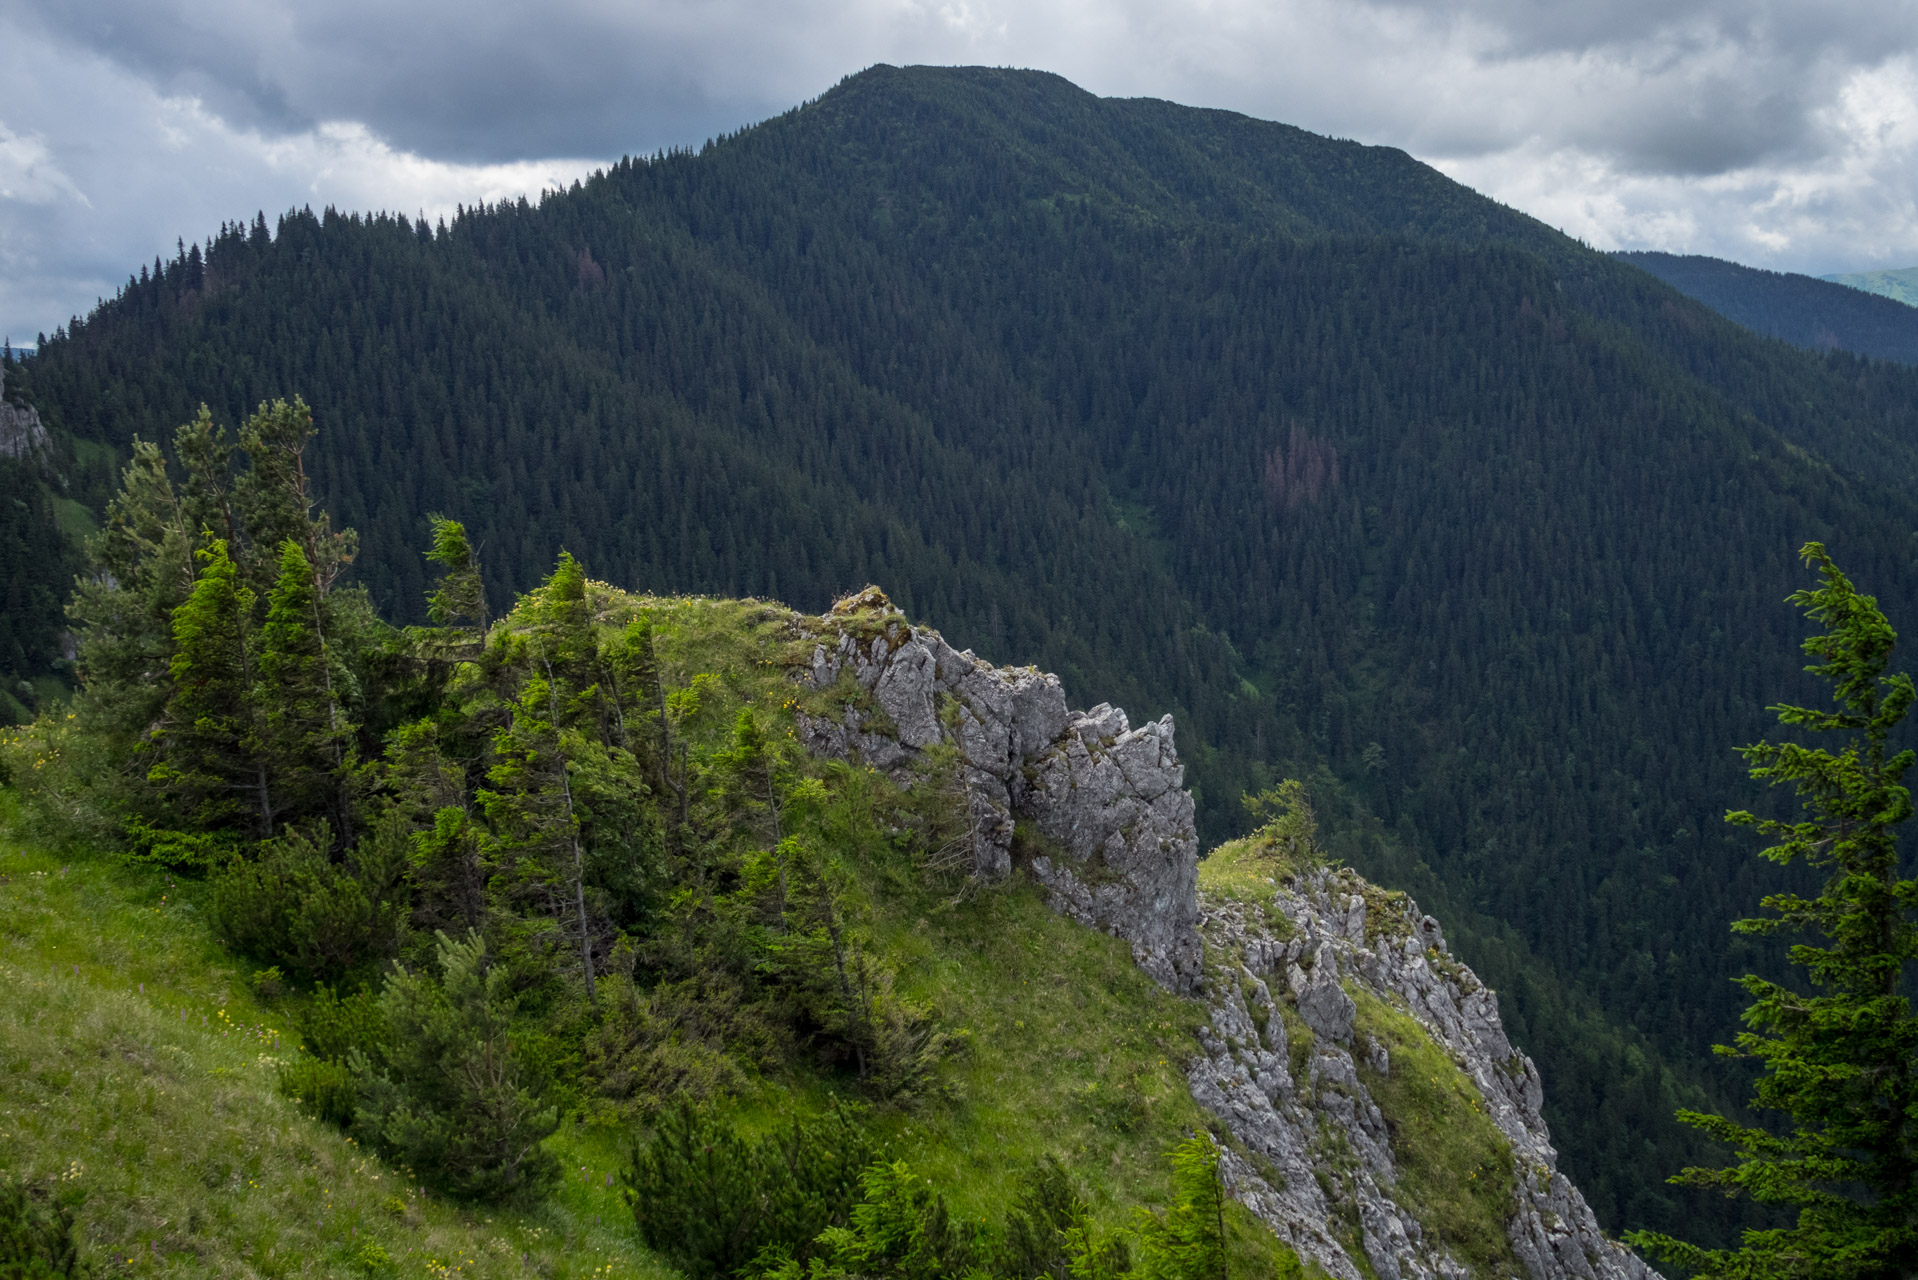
(1900, 286)
(1798, 309)
(1366, 477)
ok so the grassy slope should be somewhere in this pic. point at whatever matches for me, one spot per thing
(153, 1066)
(134, 1063)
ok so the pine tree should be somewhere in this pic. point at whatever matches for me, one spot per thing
(533, 810)
(206, 499)
(124, 614)
(273, 498)
(1840, 1064)
(449, 1094)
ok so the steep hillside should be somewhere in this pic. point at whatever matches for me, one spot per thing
(1819, 314)
(1426, 1158)
(1369, 479)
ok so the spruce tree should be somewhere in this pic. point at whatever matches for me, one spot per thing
(1188, 1242)
(1840, 1062)
(124, 614)
(538, 842)
(304, 732)
(209, 740)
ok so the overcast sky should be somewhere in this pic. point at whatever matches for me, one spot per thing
(1781, 134)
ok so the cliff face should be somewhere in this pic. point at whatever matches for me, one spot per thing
(1304, 1097)
(21, 431)
(1309, 975)
(1122, 850)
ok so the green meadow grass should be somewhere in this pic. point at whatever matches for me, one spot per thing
(136, 1068)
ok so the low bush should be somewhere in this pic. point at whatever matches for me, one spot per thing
(38, 1236)
(448, 1096)
(713, 1201)
(293, 907)
(324, 1090)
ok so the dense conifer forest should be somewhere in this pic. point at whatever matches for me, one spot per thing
(1368, 479)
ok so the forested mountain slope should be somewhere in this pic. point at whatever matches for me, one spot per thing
(1365, 476)
(1803, 311)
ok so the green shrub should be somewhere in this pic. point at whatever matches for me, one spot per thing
(713, 1201)
(902, 1230)
(448, 1096)
(324, 1090)
(293, 907)
(332, 1026)
(1188, 1242)
(38, 1238)
(1050, 1235)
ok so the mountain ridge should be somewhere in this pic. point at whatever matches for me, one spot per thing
(1480, 531)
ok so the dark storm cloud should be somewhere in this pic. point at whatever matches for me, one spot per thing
(477, 81)
(1709, 85)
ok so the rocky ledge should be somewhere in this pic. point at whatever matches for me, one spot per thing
(1316, 1158)
(1108, 799)
(1300, 969)
(21, 432)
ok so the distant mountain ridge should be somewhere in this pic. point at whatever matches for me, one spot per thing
(1371, 480)
(1900, 286)
(1801, 310)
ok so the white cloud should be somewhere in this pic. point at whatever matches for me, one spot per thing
(1849, 203)
(28, 173)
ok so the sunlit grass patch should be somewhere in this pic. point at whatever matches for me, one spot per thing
(1248, 869)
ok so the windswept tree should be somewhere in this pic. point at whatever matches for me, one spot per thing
(1839, 1060)
(458, 603)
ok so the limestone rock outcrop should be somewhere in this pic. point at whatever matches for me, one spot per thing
(1321, 1154)
(1109, 799)
(21, 432)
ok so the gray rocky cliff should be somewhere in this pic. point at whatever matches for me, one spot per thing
(1311, 1150)
(1122, 850)
(1317, 1150)
(21, 432)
